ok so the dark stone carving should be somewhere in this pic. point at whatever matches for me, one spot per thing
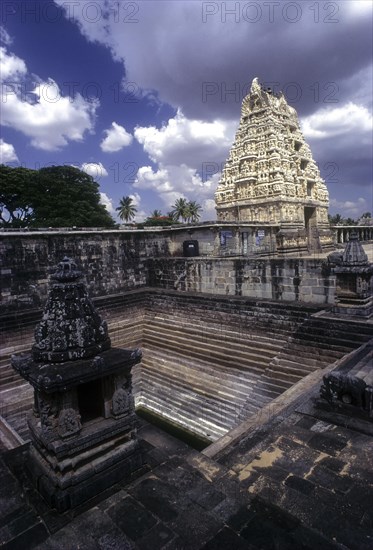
(69, 423)
(121, 402)
(354, 279)
(350, 386)
(77, 378)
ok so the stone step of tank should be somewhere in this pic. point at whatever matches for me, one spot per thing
(199, 337)
(208, 353)
(16, 400)
(251, 307)
(203, 307)
(296, 365)
(200, 426)
(243, 376)
(296, 361)
(334, 333)
(193, 327)
(192, 407)
(11, 379)
(215, 382)
(251, 349)
(300, 349)
(163, 374)
(339, 344)
(18, 421)
(238, 324)
(162, 382)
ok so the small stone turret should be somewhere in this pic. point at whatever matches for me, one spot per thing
(83, 426)
(71, 328)
(354, 279)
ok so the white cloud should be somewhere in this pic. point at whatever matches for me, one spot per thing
(12, 67)
(116, 139)
(107, 202)
(183, 149)
(4, 36)
(95, 169)
(187, 141)
(349, 209)
(327, 123)
(40, 111)
(136, 201)
(7, 152)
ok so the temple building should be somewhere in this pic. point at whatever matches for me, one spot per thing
(270, 177)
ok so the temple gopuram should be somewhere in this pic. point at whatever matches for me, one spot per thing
(270, 177)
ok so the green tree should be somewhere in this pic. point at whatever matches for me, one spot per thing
(67, 196)
(155, 214)
(336, 219)
(56, 196)
(367, 215)
(180, 209)
(194, 210)
(16, 196)
(126, 209)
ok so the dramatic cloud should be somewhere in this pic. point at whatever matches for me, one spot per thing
(184, 141)
(206, 64)
(40, 112)
(327, 123)
(7, 152)
(12, 67)
(5, 37)
(116, 139)
(95, 169)
(186, 153)
(108, 203)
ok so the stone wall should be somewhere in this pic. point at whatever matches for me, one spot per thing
(113, 261)
(119, 261)
(298, 280)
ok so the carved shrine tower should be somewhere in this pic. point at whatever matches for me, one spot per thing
(270, 177)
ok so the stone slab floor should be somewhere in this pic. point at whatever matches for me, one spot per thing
(298, 482)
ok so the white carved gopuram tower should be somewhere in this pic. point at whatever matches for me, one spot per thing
(270, 177)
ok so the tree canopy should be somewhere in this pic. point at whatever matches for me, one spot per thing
(56, 196)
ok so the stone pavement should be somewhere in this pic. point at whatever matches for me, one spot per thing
(296, 482)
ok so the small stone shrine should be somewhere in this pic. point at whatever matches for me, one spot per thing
(83, 426)
(270, 177)
(353, 279)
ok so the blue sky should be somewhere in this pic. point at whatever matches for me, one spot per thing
(146, 95)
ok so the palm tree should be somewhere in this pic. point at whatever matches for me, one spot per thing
(126, 209)
(155, 214)
(194, 211)
(179, 209)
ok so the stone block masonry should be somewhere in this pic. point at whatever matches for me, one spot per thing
(120, 261)
(293, 280)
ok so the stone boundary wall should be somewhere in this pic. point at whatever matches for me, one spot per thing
(119, 261)
(295, 280)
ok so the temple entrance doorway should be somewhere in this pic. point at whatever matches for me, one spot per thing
(90, 400)
(310, 223)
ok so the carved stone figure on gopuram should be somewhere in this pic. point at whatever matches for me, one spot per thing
(270, 169)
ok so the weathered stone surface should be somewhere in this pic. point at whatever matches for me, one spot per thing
(270, 176)
(77, 378)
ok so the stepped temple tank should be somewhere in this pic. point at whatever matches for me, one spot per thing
(270, 176)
